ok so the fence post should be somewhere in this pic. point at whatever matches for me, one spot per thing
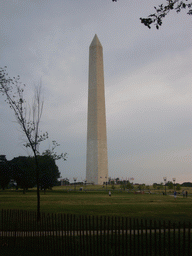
(80, 233)
(112, 238)
(94, 236)
(138, 238)
(101, 235)
(115, 235)
(155, 234)
(126, 240)
(119, 234)
(108, 243)
(104, 235)
(183, 238)
(169, 237)
(130, 236)
(189, 253)
(160, 238)
(174, 239)
(146, 237)
(150, 237)
(142, 245)
(97, 226)
(123, 243)
(134, 238)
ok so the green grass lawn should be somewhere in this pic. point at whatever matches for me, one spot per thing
(147, 206)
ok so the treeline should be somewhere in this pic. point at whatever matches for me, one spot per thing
(20, 172)
(171, 185)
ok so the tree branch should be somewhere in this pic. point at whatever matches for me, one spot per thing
(163, 10)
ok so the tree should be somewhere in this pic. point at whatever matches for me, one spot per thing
(23, 172)
(122, 186)
(178, 187)
(187, 184)
(65, 182)
(154, 185)
(49, 172)
(163, 9)
(51, 152)
(141, 187)
(129, 185)
(27, 118)
(113, 186)
(112, 182)
(4, 172)
(169, 184)
(147, 187)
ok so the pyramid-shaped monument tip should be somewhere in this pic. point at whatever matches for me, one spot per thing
(95, 41)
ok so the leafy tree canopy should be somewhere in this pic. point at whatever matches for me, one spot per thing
(178, 187)
(169, 184)
(4, 172)
(23, 171)
(187, 184)
(49, 172)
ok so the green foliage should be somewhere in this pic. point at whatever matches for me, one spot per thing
(122, 186)
(112, 182)
(169, 184)
(187, 184)
(162, 10)
(129, 185)
(5, 175)
(178, 187)
(141, 186)
(113, 187)
(49, 172)
(51, 152)
(154, 185)
(23, 172)
(125, 184)
(158, 186)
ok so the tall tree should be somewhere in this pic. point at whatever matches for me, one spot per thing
(27, 118)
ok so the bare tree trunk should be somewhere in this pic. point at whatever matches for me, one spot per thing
(38, 192)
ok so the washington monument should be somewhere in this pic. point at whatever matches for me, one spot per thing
(97, 160)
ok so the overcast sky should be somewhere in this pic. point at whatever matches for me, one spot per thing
(147, 83)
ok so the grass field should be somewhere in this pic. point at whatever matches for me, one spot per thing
(97, 202)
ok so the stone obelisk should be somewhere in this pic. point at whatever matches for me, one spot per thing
(97, 159)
